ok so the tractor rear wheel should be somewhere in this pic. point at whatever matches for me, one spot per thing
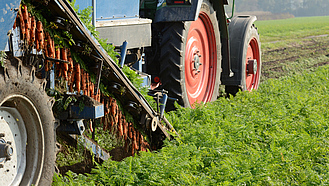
(190, 62)
(27, 134)
(250, 64)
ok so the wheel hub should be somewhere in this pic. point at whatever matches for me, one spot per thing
(197, 62)
(13, 142)
(252, 66)
(6, 150)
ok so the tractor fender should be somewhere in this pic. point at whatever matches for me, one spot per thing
(166, 13)
(237, 33)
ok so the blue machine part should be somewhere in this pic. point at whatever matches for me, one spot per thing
(108, 9)
(94, 112)
(9, 9)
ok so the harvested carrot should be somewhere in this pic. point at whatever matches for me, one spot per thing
(120, 128)
(25, 16)
(65, 65)
(33, 27)
(137, 140)
(58, 64)
(92, 94)
(125, 129)
(87, 93)
(132, 150)
(28, 27)
(40, 35)
(130, 132)
(77, 77)
(57, 53)
(83, 81)
(46, 61)
(72, 81)
(25, 13)
(21, 21)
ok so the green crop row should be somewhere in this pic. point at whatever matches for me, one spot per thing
(278, 135)
(299, 27)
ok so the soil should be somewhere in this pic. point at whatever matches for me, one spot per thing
(308, 54)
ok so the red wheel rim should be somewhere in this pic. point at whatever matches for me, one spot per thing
(201, 41)
(252, 79)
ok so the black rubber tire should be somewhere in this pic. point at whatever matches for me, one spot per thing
(172, 58)
(17, 80)
(236, 45)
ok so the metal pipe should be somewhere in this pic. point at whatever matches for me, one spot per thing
(232, 10)
(94, 14)
(123, 48)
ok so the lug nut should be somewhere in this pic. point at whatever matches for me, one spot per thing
(9, 150)
(2, 135)
(1, 166)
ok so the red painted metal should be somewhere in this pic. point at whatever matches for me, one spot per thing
(201, 41)
(252, 80)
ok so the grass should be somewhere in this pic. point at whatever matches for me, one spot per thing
(299, 27)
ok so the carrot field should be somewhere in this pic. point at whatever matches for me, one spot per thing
(277, 135)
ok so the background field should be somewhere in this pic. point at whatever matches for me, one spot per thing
(290, 46)
(277, 135)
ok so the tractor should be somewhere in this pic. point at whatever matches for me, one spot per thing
(191, 47)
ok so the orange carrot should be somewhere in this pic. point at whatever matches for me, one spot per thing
(72, 81)
(28, 27)
(77, 77)
(137, 140)
(92, 90)
(130, 132)
(87, 93)
(40, 35)
(83, 81)
(21, 21)
(33, 27)
(65, 65)
(25, 16)
(120, 129)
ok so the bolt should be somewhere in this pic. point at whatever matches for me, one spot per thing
(8, 158)
(9, 142)
(9, 150)
(2, 135)
(1, 166)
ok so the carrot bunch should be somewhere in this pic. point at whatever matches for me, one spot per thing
(115, 120)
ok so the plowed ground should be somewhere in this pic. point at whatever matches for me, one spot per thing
(296, 56)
